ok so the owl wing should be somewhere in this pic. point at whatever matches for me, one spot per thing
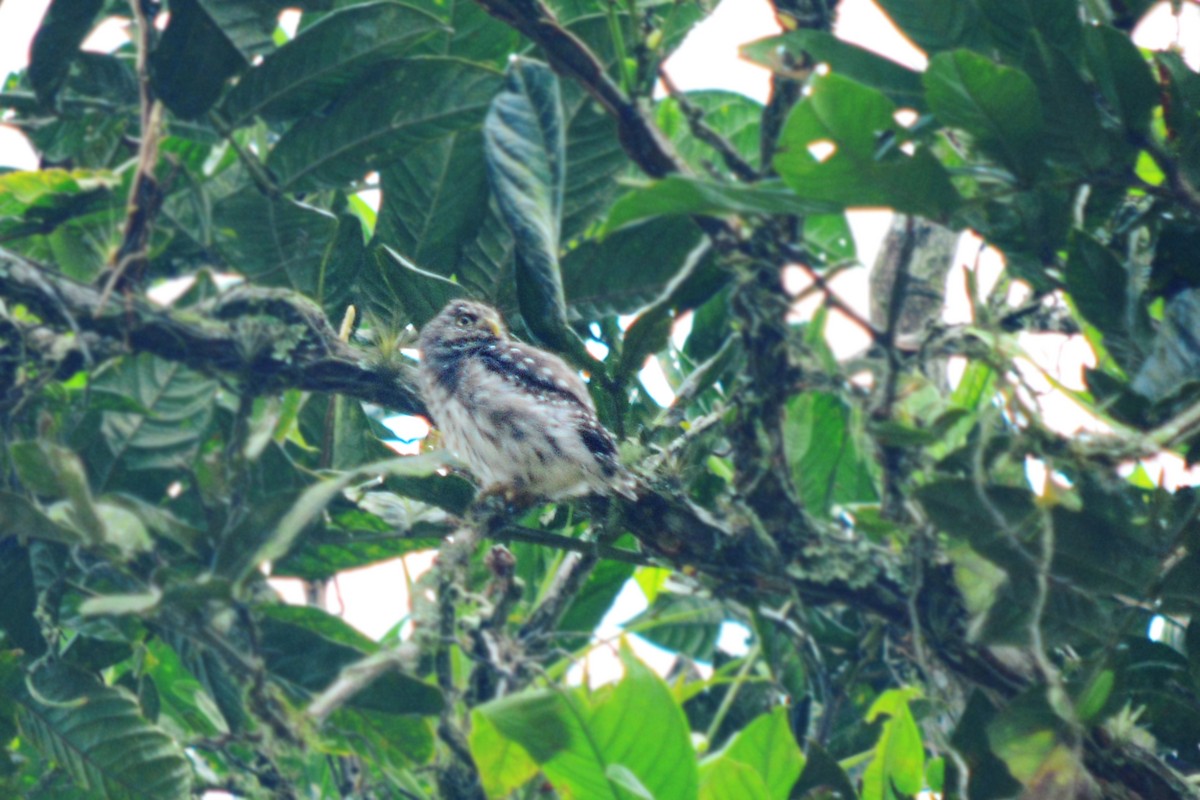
(536, 371)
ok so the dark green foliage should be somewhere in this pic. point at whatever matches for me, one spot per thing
(910, 611)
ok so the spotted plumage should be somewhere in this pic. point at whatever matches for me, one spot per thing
(520, 417)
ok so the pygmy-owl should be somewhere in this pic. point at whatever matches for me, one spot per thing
(519, 416)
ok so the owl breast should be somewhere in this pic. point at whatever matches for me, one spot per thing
(511, 434)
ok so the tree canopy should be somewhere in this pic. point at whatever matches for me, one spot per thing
(921, 615)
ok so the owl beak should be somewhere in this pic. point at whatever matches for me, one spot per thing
(494, 327)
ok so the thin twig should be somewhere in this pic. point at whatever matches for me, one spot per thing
(800, 258)
(702, 131)
(145, 194)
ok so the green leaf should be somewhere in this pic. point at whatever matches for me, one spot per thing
(394, 741)
(826, 464)
(17, 620)
(21, 191)
(768, 747)
(192, 61)
(726, 779)
(821, 770)
(250, 25)
(525, 145)
(275, 241)
(56, 471)
(1013, 24)
(1025, 736)
(434, 197)
(314, 500)
(503, 765)
(1073, 134)
(592, 603)
(98, 735)
(576, 738)
(356, 539)
(413, 101)
(867, 166)
(1094, 697)
(626, 270)
(324, 60)
(1099, 284)
(1122, 74)
(935, 25)
(734, 116)
(470, 33)
(178, 405)
(56, 44)
(595, 163)
(677, 194)
(682, 624)
(897, 768)
(22, 519)
(988, 777)
(399, 292)
(901, 84)
(996, 105)
(830, 238)
(307, 649)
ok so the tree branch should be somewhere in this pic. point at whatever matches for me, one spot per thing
(318, 362)
(570, 57)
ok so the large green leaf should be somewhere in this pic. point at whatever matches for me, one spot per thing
(250, 25)
(434, 197)
(897, 81)
(356, 539)
(595, 161)
(192, 60)
(679, 195)
(1012, 24)
(526, 156)
(324, 60)
(1122, 75)
(503, 765)
(682, 624)
(413, 101)
(313, 500)
(17, 620)
(935, 25)
(632, 729)
(767, 747)
(55, 46)
(867, 166)
(898, 766)
(826, 463)
(734, 116)
(307, 649)
(1073, 134)
(174, 407)
(98, 735)
(276, 241)
(1099, 285)
(471, 33)
(996, 105)
(628, 269)
(398, 292)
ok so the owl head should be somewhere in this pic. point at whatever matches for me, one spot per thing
(462, 322)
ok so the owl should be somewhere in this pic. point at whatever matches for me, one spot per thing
(520, 417)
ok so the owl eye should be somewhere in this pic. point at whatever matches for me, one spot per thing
(465, 321)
